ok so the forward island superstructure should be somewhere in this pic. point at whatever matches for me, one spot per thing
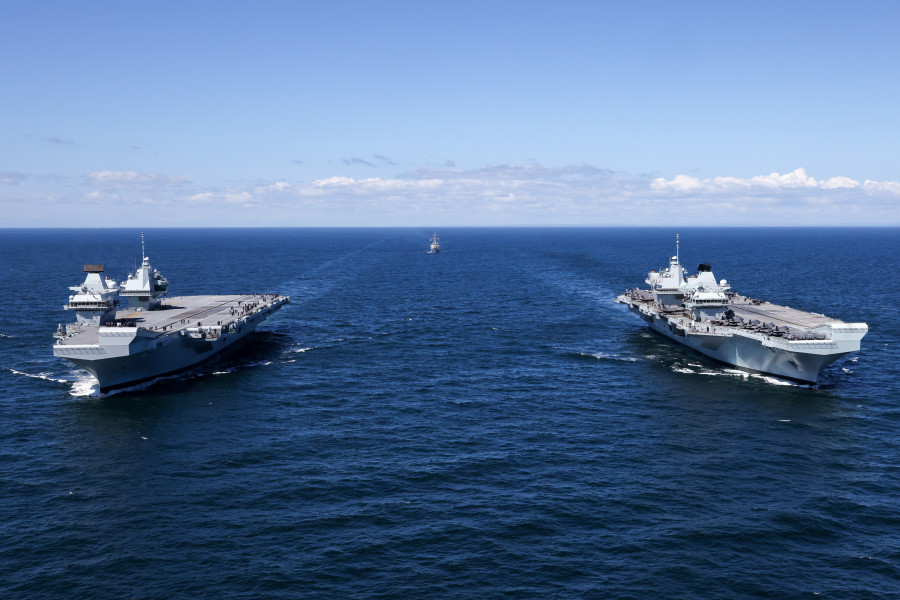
(754, 335)
(146, 286)
(149, 337)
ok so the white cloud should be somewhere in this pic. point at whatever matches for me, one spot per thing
(278, 186)
(839, 182)
(202, 198)
(134, 178)
(333, 182)
(882, 187)
(244, 198)
(774, 182)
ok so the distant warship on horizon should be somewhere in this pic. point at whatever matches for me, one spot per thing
(435, 245)
(753, 335)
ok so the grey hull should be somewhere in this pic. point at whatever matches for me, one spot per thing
(749, 353)
(172, 357)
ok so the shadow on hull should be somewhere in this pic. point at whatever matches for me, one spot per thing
(253, 348)
(716, 361)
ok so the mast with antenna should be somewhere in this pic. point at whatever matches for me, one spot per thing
(143, 253)
(676, 247)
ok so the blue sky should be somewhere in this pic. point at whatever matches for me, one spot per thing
(462, 113)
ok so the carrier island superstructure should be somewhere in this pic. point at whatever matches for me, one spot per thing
(128, 333)
(753, 335)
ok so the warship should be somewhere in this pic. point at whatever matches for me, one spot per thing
(435, 245)
(751, 334)
(149, 334)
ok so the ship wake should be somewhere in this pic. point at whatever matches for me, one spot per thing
(697, 369)
(45, 376)
(607, 356)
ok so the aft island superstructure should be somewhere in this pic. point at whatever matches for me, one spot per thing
(151, 336)
(754, 335)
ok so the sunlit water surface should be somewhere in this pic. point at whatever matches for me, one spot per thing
(481, 423)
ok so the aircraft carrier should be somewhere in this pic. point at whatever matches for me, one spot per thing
(748, 333)
(151, 335)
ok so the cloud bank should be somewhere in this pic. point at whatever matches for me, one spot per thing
(775, 182)
(510, 194)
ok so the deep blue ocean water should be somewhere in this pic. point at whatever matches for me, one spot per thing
(483, 423)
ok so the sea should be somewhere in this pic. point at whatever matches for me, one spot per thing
(481, 423)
